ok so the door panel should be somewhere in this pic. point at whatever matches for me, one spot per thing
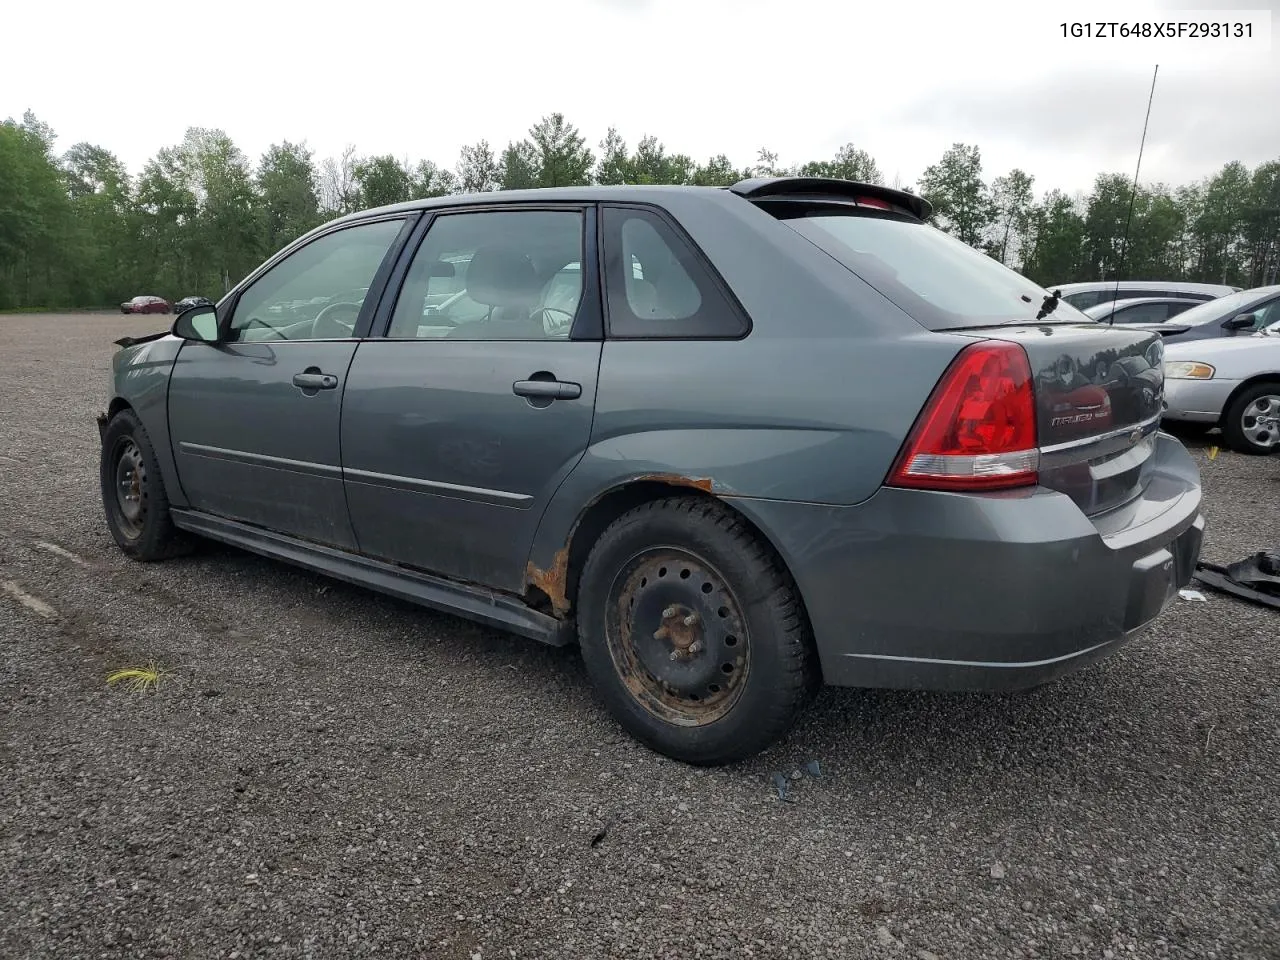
(254, 419)
(251, 446)
(447, 468)
(458, 428)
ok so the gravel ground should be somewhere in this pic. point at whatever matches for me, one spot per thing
(333, 774)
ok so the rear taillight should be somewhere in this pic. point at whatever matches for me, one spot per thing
(978, 430)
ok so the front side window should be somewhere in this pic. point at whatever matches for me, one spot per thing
(656, 286)
(494, 275)
(315, 293)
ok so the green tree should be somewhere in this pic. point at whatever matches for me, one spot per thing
(1262, 226)
(850, 163)
(428, 180)
(614, 166)
(36, 226)
(559, 157)
(478, 171)
(102, 246)
(288, 187)
(961, 202)
(382, 180)
(1012, 200)
(1055, 241)
(518, 168)
(717, 172)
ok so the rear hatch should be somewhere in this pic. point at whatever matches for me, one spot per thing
(1098, 389)
(1099, 393)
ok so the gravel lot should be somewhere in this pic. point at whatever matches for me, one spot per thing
(332, 774)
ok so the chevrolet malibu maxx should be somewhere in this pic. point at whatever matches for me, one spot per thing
(734, 443)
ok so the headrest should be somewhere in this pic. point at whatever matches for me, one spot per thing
(502, 277)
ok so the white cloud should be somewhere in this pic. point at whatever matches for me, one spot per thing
(902, 80)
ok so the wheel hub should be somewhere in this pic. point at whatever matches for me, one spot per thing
(130, 476)
(680, 639)
(1261, 421)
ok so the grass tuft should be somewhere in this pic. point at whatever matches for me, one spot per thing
(138, 679)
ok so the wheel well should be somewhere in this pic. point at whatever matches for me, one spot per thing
(116, 405)
(1243, 386)
(609, 507)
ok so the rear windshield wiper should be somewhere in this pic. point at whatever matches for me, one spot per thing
(1050, 304)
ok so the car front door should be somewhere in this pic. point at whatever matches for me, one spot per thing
(254, 418)
(460, 423)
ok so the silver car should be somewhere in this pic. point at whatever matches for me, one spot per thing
(1230, 383)
(1092, 292)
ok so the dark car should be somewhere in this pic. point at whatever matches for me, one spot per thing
(1235, 315)
(145, 304)
(186, 303)
(734, 443)
(1140, 309)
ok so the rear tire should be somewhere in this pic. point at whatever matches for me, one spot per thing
(693, 632)
(1251, 423)
(133, 494)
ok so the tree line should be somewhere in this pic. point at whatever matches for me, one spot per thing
(78, 229)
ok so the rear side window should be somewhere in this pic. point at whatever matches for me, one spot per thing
(940, 281)
(657, 286)
(1143, 313)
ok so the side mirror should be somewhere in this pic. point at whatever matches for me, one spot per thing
(1242, 321)
(197, 323)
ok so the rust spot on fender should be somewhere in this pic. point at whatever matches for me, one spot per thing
(553, 581)
(677, 480)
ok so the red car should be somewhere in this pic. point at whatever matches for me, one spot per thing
(145, 305)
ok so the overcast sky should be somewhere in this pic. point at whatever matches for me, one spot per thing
(903, 80)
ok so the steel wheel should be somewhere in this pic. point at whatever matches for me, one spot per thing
(1260, 421)
(130, 487)
(677, 637)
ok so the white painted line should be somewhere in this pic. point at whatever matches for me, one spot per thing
(59, 551)
(34, 604)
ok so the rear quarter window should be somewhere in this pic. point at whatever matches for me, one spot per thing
(659, 286)
(940, 281)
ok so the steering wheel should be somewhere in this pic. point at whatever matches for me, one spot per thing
(328, 327)
(555, 327)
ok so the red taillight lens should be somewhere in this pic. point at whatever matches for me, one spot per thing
(978, 430)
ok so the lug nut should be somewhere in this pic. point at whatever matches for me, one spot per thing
(670, 612)
(695, 647)
(690, 620)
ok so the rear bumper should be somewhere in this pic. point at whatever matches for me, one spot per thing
(937, 591)
(1196, 401)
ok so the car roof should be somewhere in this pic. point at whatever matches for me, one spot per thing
(753, 189)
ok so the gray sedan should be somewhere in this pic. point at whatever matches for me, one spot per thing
(1235, 315)
(733, 443)
(1234, 384)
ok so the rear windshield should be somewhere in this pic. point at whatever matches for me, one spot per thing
(940, 281)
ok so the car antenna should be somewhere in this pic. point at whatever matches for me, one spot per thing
(1133, 193)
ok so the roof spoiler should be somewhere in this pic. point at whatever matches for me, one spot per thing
(760, 188)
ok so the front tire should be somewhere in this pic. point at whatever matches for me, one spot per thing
(133, 494)
(1252, 422)
(693, 632)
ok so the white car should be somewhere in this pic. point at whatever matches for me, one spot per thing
(1232, 383)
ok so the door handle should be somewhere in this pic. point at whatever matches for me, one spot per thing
(315, 381)
(547, 389)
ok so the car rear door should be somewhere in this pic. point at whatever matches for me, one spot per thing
(460, 423)
(254, 420)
